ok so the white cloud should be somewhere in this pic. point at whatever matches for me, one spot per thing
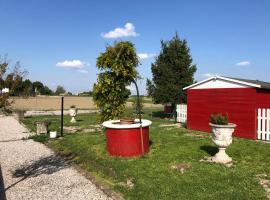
(75, 64)
(144, 56)
(243, 63)
(127, 31)
(208, 75)
(83, 71)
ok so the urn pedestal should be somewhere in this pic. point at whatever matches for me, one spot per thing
(222, 137)
(73, 114)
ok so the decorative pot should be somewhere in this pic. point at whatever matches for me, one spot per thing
(222, 137)
(53, 134)
(127, 121)
(73, 114)
(42, 127)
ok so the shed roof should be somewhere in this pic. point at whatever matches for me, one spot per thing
(264, 85)
(246, 82)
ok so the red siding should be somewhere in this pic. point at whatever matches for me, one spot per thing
(263, 98)
(239, 103)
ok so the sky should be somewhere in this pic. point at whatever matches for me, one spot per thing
(58, 41)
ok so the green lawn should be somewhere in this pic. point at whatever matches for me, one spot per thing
(152, 175)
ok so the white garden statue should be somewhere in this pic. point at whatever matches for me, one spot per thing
(73, 114)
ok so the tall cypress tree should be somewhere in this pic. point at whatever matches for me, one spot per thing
(172, 71)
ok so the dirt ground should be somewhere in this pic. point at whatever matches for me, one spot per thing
(54, 103)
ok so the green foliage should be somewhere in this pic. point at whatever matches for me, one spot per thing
(118, 64)
(172, 71)
(120, 59)
(137, 105)
(219, 119)
(42, 89)
(149, 88)
(60, 90)
(86, 94)
(11, 78)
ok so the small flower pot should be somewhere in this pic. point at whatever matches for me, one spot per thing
(222, 137)
(53, 134)
(127, 121)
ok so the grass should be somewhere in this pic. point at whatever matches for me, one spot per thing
(152, 175)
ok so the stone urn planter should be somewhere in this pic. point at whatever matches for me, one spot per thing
(42, 127)
(73, 113)
(222, 137)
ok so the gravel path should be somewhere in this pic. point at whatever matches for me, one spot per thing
(32, 171)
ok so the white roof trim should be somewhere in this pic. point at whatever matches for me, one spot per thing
(223, 78)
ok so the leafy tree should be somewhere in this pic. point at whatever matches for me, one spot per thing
(60, 90)
(38, 87)
(11, 78)
(46, 91)
(149, 88)
(27, 87)
(118, 64)
(172, 71)
(42, 89)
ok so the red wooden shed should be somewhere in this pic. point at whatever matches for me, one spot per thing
(240, 98)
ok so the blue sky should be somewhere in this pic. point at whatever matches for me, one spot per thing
(58, 41)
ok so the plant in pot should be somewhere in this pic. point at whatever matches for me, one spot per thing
(221, 135)
(127, 118)
(73, 113)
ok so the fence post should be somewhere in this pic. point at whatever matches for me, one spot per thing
(62, 115)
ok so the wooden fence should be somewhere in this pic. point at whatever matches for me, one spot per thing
(263, 125)
(181, 110)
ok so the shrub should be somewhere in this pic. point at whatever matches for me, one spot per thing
(220, 119)
(137, 105)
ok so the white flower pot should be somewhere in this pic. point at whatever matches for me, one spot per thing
(222, 137)
(53, 134)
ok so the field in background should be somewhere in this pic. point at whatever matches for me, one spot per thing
(54, 103)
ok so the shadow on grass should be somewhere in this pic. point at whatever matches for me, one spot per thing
(45, 165)
(160, 114)
(211, 150)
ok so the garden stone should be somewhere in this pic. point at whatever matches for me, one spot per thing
(42, 127)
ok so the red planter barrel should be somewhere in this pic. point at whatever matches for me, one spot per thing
(127, 140)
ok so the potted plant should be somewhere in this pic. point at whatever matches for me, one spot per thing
(73, 113)
(127, 119)
(53, 134)
(221, 135)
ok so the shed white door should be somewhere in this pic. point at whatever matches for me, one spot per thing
(181, 110)
(263, 124)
